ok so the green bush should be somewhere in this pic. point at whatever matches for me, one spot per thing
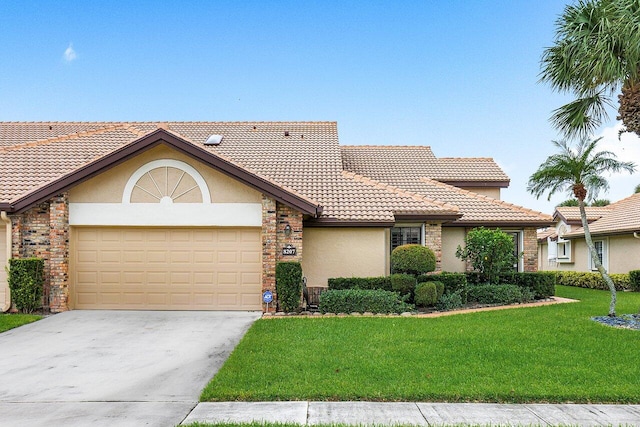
(360, 301)
(289, 285)
(382, 282)
(490, 252)
(453, 282)
(404, 284)
(541, 283)
(498, 294)
(426, 294)
(449, 301)
(592, 280)
(439, 289)
(412, 259)
(634, 280)
(26, 279)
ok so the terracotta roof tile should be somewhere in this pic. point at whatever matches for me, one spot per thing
(570, 214)
(621, 217)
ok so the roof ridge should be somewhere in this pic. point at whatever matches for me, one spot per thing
(66, 137)
(393, 188)
(483, 197)
(386, 146)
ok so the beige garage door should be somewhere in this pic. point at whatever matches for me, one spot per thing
(165, 268)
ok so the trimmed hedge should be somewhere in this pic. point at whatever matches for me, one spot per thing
(360, 301)
(453, 282)
(289, 285)
(426, 294)
(634, 280)
(412, 259)
(383, 283)
(26, 279)
(592, 280)
(403, 284)
(499, 294)
(541, 283)
(449, 301)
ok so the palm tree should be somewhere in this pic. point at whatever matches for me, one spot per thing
(596, 55)
(580, 171)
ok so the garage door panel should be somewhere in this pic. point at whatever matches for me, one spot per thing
(155, 268)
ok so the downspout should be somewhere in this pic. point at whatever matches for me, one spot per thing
(6, 304)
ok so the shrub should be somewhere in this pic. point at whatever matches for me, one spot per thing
(541, 283)
(439, 289)
(426, 294)
(404, 284)
(453, 282)
(490, 252)
(288, 285)
(26, 278)
(449, 301)
(634, 280)
(498, 294)
(360, 300)
(382, 282)
(592, 280)
(412, 259)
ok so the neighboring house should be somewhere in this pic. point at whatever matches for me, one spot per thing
(615, 232)
(195, 216)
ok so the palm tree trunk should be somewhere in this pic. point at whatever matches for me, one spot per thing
(596, 260)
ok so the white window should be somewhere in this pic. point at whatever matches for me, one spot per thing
(552, 246)
(601, 251)
(407, 234)
(564, 251)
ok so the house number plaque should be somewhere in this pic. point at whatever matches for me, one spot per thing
(289, 250)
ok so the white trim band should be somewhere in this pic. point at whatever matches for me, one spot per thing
(157, 214)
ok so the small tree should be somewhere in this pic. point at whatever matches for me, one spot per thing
(412, 259)
(490, 252)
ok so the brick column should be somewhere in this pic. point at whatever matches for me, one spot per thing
(530, 249)
(16, 235)
(59, 253)
(269, 243)
(292, 218)
(433, 240)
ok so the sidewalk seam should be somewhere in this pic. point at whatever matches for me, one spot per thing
(530, 409)
(421, 413)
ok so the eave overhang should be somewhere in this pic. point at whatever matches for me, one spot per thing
(151, 140)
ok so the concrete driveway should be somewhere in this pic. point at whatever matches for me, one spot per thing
(113, 368)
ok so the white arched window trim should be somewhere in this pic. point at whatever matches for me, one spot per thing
(172, 163)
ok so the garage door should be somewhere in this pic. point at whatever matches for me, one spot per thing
(165, 268)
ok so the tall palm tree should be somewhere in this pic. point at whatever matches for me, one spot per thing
(580, 171)
(596, 55)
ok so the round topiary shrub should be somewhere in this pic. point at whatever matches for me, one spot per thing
(404, 284)
(426, 294)
(412, 259)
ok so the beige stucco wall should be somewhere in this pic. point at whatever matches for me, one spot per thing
(109, 186)
(452, 237)
(485, 191)
(3, 263)
(344, 252)
(623, 255)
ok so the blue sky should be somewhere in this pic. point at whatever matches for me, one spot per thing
(460, 76)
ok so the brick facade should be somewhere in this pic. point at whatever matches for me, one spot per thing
(530, 249)
(433, 240)
(43, 232)
(275, 237)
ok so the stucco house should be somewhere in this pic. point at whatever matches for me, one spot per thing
(615, 230)
(194, 216)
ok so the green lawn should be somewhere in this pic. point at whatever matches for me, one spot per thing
(10, 321)
(544, 354)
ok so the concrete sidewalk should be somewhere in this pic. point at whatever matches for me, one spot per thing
(422, 414)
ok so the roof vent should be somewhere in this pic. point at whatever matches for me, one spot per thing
(213, 140)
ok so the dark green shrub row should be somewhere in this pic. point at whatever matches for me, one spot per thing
(289, 285)
(541, 283)
(404, 284)
(592, 280)
(634, 280)
(383, 283)
(499, 294)
(412, 259)
(453, 282)
(360, 301)
(26, 279)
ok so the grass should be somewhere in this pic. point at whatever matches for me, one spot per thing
(544, 354)
(10, 321)
(270, 424)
